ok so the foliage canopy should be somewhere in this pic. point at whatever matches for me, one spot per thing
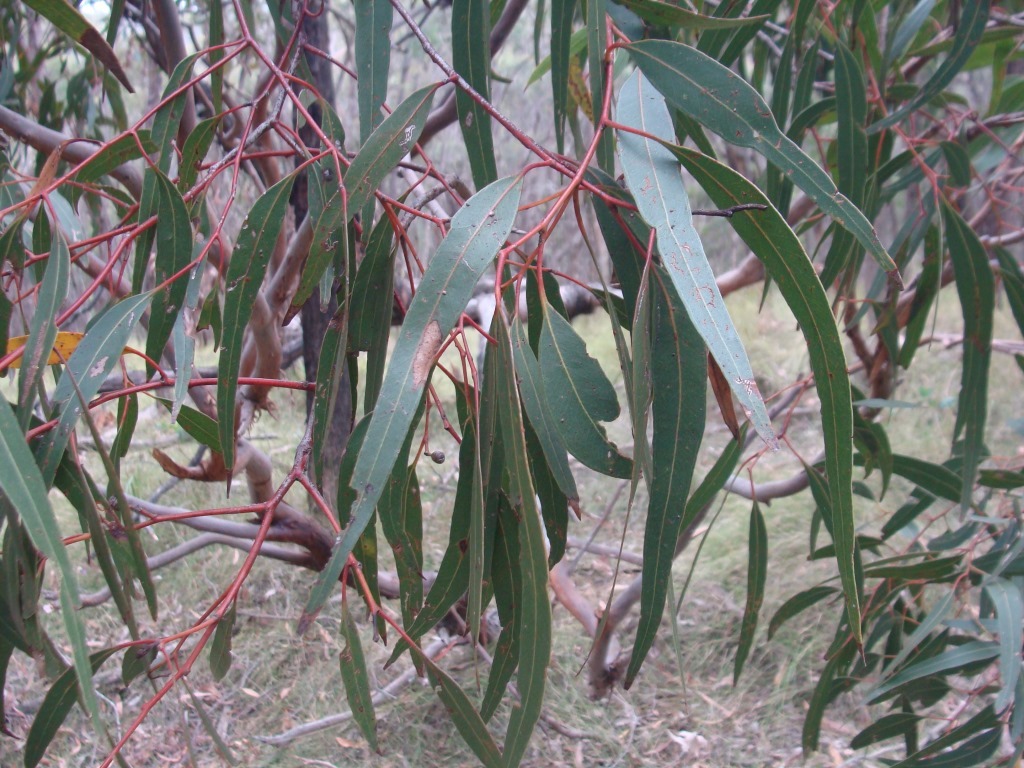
(865, 154)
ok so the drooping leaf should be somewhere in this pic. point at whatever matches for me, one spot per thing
(95, 357)
(726, 104)
(1006, 598)
(887, 727)
(947, 662)
(579, 396)
(43, 329)
(969, 29)
(373, 61)
(542, 419)
(68, 20)
(668, 15)
(796, 605)
(385, 147)
(55, 708)
(196, 146)
(372, 303)
(780, 250)
(248, 265)
(465, 717)
(329, 235)
(220, 647)
(173, 255)
(137, 659)
(653, 176)
(356, 679)
(477, 231)
(757, 575)
(678, 387)
(168, 116)
(114, 154)
(471, 57)
(534, 608)
(508, 586)
(562, 12)
(976, 287)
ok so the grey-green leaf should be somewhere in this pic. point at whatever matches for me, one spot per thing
(652, 174)
(390, 142)
(476, 234)
(757, 574)
(356, 679)
(726, 104)
(248, 266)
(579, 396)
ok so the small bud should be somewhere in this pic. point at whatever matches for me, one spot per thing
(437, 457)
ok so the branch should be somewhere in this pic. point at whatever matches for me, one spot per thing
(446, 113)
(76, 151)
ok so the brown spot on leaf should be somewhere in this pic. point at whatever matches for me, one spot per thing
(423, 360)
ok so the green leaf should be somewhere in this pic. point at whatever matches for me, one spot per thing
(173, 255)
(533, 610)
(907, 30)
(329, 234)
(452, 578)
(113, 155)
(537, 405)
(196, 146)
(73, 24)
(678, 389)
(888, 727)
(248, 265)
(127, 417)
(726, 104)
(579, 396)
(356, 679)
(1006, 598)
(508, 586)
(653, 176)
(577, 43)
(168, 116)
(401, 520)
(137, 659)
(372, 303)
(934, 478)
(977, 751)
(597, 29)
(667, 15)
(780, 250)
(471, 58)
(467, 720)
(757, 574)
(328, 384)
(562, 13)
(387, 145)
(220, 647)
(373, 60)
(969, 29)
(94, 357)
(821, 696)
(43, 329)
(796, 605)
(55, 708)
(476, 234)
(944, 663)
(976, 287)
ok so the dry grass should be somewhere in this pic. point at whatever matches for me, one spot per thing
(688, 712)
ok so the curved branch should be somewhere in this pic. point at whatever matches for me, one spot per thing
(76, 151)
